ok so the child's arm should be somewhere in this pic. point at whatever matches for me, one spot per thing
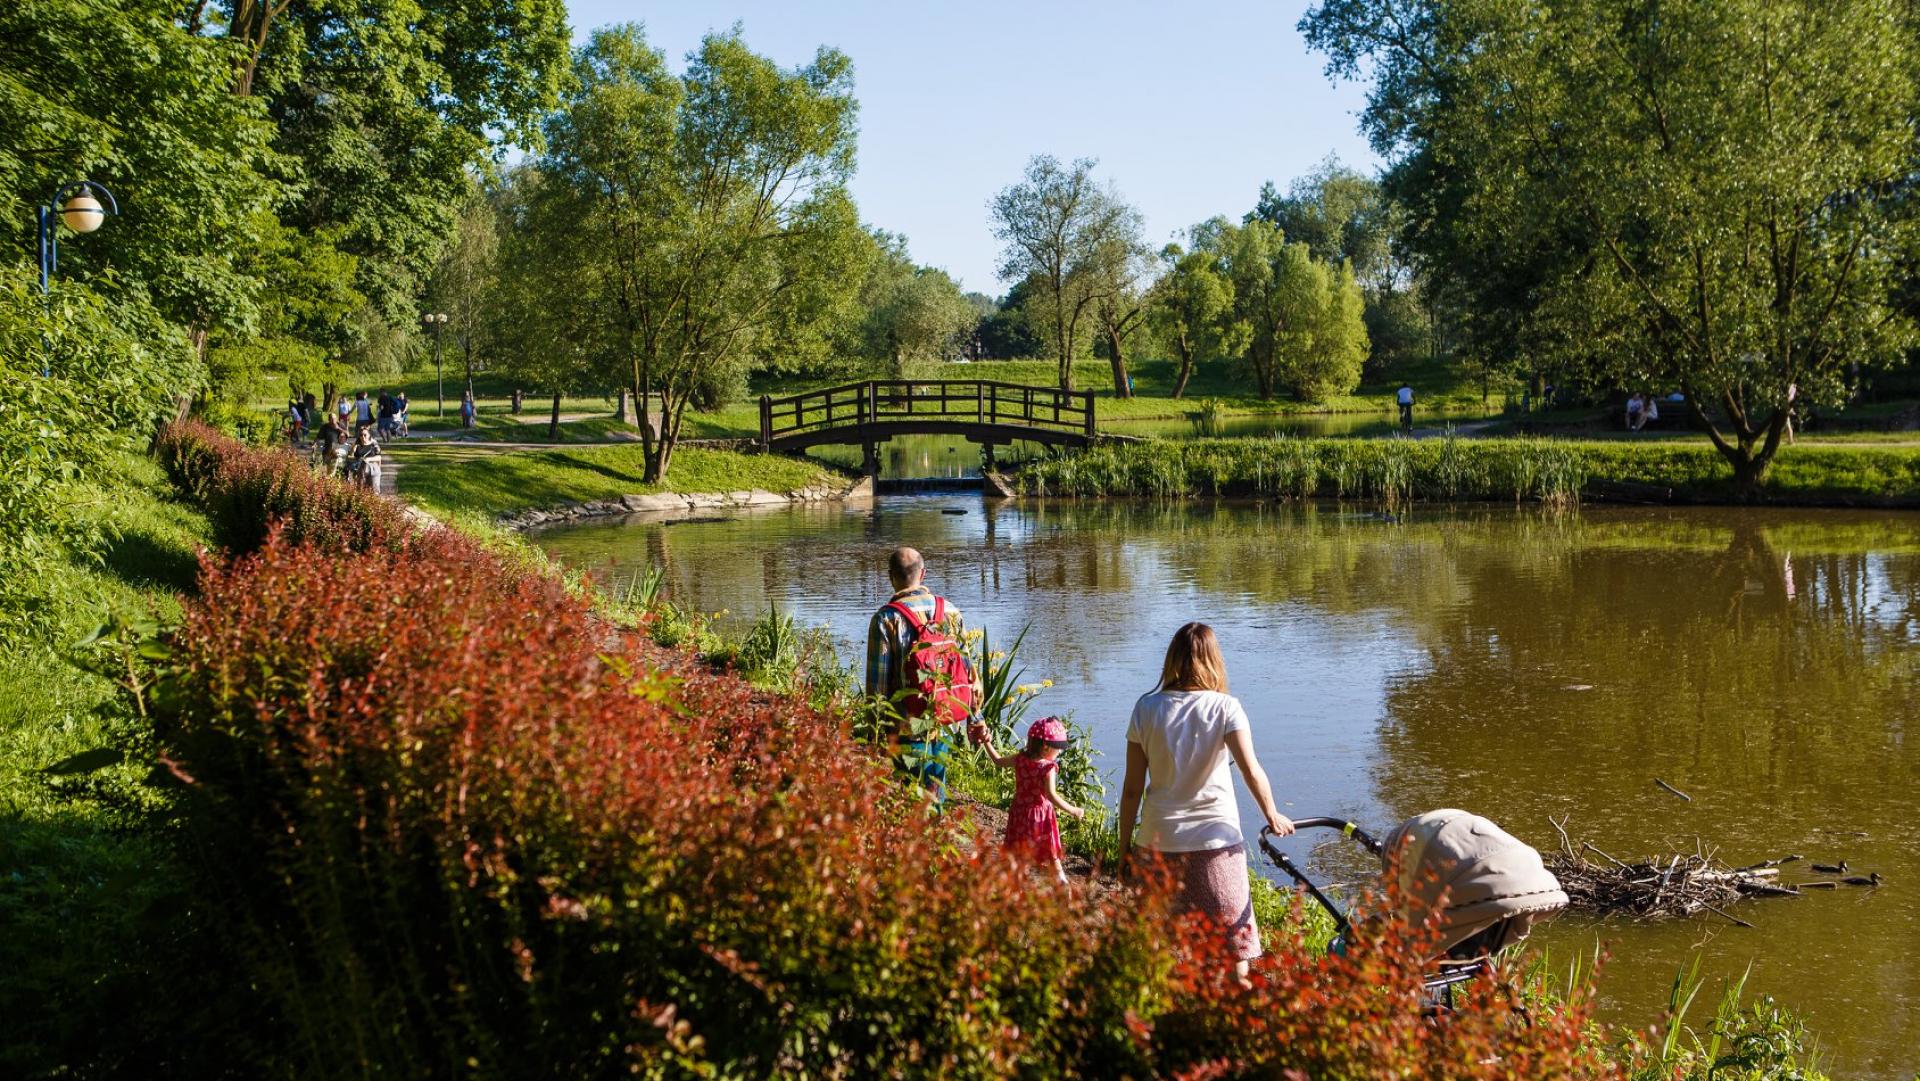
(1054, 797)
(993, 755)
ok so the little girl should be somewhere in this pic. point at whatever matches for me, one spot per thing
(1033, 831)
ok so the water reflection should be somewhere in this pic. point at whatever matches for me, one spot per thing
(1518, 664)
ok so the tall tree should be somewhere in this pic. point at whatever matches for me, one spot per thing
(464, 278)
(1116, 280)
(1300, 319)
(541, 306)
(713, 208)
(921, 316)
(1191, 305)
(1707, 187)
(385, 105)
(1060, 229)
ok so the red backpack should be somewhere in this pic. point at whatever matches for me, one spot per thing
(937, 670)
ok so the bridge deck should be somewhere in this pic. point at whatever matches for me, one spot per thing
(983, 411)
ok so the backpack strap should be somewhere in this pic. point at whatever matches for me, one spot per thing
(914, 623)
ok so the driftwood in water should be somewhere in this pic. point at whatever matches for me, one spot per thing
(1673, 886)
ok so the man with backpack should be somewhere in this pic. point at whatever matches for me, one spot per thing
(915, 663)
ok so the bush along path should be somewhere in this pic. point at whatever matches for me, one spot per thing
(1397, 471)
(427, 864)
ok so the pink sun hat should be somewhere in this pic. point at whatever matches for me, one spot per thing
(1050, 729)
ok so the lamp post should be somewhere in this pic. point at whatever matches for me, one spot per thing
(79, 210)
(433, 321)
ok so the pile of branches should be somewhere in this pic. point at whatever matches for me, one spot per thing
(1673, 886)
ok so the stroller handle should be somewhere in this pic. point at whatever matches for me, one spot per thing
(1366, 839)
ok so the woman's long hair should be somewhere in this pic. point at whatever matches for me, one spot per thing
(1193, 661)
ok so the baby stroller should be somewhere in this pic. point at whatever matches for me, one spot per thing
(1488, 887)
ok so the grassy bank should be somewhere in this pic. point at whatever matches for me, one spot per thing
(95, 916)
(1395, 471)
(455, 481)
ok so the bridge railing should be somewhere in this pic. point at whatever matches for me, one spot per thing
(973, 401)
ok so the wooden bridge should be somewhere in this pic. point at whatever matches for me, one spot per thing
(867, 414)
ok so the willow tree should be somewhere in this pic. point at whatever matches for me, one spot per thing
(1715, 190)
(712, 209)
(1300, 318)
(1190, 307)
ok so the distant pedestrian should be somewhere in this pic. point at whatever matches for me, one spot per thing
(402, 423)
(363, 461)
(344, 410)
(467, 409)
(1405, 397)
(1033, 827)
(1636, 411)
(915, 666)
(333, 436)
(362, 412)
(389, 408)
(1179, 743)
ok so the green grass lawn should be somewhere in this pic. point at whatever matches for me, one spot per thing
(89, 889)
(455, 480)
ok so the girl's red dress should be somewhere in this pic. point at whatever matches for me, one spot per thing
(1033, 830)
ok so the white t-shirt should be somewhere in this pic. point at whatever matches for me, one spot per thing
(1189, 804)
(1406, 395)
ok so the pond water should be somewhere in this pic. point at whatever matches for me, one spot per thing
(1514, 663)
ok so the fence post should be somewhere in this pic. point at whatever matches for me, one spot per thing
(1088, 398)
(766, 421)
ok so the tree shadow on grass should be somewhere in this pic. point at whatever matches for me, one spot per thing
(146, 560)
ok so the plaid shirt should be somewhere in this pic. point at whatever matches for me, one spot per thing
(889, 636)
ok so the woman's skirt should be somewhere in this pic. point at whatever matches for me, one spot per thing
(1213, 882)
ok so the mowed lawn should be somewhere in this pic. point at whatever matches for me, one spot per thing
(460, 479)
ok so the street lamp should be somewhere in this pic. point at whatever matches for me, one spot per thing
(79, 210)
(433, 321)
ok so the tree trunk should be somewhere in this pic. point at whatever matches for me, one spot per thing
(518, 397)
(1186, 367)
(620, 409)
(553, 421)
(1116, 356)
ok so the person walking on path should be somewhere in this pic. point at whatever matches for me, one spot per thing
(1178, 786)
(912, 633)
(467, 409)
(363, 461)
(1405, 397)
(1033, 827)
(362, 412)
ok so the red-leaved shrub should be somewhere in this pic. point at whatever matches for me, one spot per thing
(465, 828)
(243, 491)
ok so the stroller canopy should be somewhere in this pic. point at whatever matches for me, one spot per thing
(1476, 873)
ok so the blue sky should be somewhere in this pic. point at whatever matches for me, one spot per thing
(1187, 107)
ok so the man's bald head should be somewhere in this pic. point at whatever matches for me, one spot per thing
(905, 567)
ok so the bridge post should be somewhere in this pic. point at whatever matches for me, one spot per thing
(766, 421)
(1087, 396)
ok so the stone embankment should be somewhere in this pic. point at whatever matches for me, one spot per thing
(675, 504)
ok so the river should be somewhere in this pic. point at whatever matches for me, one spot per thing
(1513, 662)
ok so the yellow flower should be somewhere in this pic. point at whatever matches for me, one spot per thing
(1046, 683)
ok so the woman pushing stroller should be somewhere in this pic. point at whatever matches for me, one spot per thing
(1179, 786)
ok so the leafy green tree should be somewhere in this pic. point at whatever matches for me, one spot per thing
(542, 309)
(1006, 332)
(384, 106)
(1710, 190)
(1063, 232)
(1301, 319)
(921, 316)
(1191, 306)
(464, 278)
(121, 94)
(712, 209)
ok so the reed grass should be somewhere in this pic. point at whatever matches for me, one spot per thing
(1393, 472)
